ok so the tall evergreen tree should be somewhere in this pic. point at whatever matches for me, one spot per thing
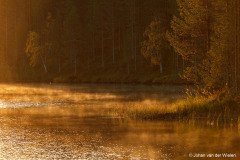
(190, 35)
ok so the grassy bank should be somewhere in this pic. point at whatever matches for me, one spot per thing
(217, 107)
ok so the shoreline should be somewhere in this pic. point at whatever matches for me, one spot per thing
(215, 108)
(100, 83)
(103, 82)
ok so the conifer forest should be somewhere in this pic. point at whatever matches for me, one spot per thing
(120, 79)
(121, 41)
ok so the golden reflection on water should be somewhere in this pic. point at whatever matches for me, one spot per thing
(72, 122)
(96, 138)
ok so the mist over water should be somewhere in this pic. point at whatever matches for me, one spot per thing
(43, 121)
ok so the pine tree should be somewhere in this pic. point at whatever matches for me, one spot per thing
(223, 57)
(190, 35)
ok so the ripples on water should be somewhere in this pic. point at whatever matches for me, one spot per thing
(72, 122)
(79, 139)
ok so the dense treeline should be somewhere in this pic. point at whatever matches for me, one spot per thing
(112, 40)
(74, 39)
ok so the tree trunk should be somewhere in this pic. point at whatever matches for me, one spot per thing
(128, 68)
(176, 61)
(160, 64)
(88, 61)
(227, 56)
(236, 50)
(29, 14)
(119, 36)
(135, 52)
(132, 27)
(102, 52)
(59, 65)
(183, 63)
(160, 68)
(93, 45)
(6, 34)
(15, 32)
(113, 36)
(75, 66)
(44, 63)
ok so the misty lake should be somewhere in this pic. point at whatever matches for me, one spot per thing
(60, 121)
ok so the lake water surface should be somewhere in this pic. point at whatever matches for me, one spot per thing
(42, 121)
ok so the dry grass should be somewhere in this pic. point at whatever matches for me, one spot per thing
(216, 107)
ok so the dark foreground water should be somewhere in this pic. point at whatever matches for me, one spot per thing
(40, 121)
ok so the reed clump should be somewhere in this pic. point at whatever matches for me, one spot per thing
(220, 106)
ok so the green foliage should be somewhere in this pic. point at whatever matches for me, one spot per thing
(39, 45)
(219, 72)
(33, 48)
(155, 42)
(206, 34)
(189, 36)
